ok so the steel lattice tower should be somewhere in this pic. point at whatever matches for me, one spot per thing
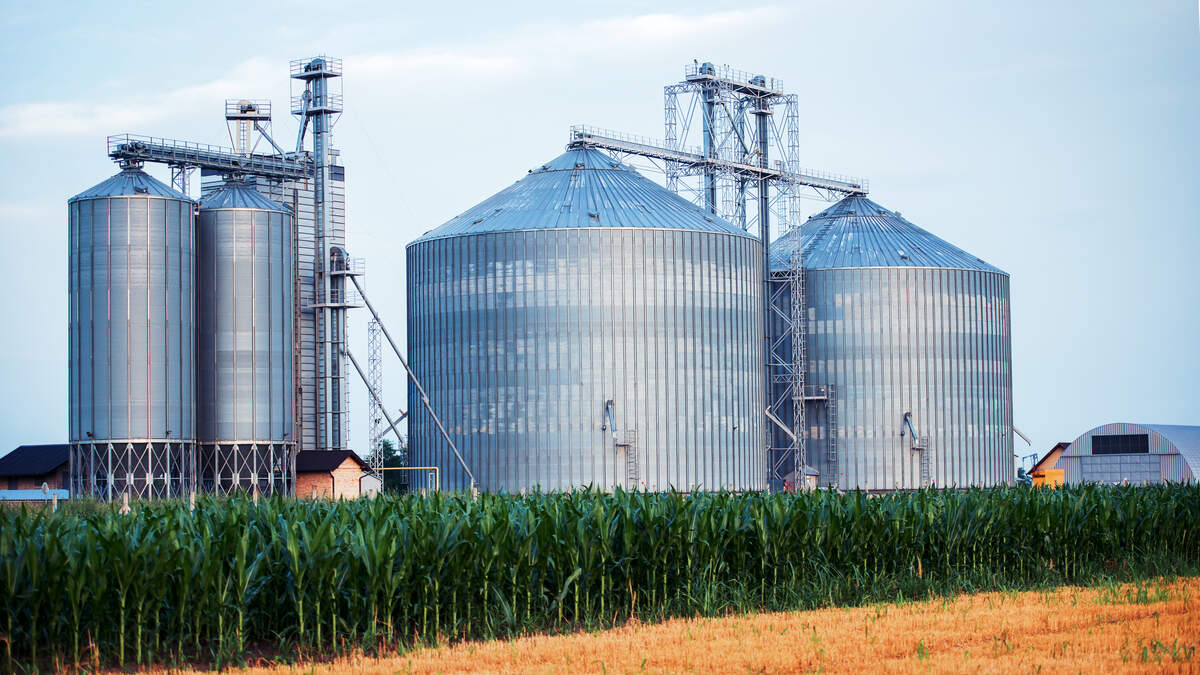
(375, 381)
(733, 136)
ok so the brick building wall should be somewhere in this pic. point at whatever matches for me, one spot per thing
(54, 480)
(341, 483)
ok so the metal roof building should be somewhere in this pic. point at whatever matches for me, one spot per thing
(585, 326)
(1134, 453)
(908, 353)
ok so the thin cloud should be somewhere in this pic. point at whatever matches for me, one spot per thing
(536, 49)
(91, 118)
(527, 52)
(433, 64)
(18, 219)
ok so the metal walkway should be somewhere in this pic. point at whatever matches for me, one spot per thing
(585, 136)
(129, 147)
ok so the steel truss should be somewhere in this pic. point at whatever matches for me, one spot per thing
(732, 137)
(319, 103)
(249, 467)
(141, 468)
(375, 383)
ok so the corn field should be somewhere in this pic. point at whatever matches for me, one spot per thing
(165, 584)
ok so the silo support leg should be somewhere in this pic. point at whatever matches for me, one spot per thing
(413, 376)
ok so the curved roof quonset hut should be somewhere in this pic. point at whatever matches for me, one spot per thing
(900, 321)
(1134, 453)
(585, 326)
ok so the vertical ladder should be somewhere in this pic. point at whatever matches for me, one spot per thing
(926, 461)
(629, 443)
(831, 430)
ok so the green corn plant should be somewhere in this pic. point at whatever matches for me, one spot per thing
(209, 584)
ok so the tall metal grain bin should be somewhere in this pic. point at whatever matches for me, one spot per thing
(899, 322)
(131, 338)
(587, 327)
(245, 352)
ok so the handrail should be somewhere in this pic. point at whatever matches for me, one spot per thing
(649, 147)
(698, 70)
(191, 153)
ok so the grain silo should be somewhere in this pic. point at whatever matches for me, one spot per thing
(245, 351)
(583, 327)
(131, 338)
(908, 336)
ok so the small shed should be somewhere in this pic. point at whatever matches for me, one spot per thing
(1046, 472)
(29, 466)
(329, 474)
(1124, 452)
(794, 480)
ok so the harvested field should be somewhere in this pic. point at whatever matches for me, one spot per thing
(1141, 627)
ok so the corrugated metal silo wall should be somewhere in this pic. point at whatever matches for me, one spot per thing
(130, 320)
(244, 311)
(933, 342)
(298, 197)
(520, 337)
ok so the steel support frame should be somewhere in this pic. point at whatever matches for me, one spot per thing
(786, 374)
(412, 376)
(375, 383)
(718, 112)
(142, 468)
(733, 157)
(181, 177)
(320, 105)
(724, 107)
(251, 467)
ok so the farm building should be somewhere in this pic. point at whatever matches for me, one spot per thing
(1046, 471)
(26, 469)
(29, 466)
(330, 475)
(1133, 453)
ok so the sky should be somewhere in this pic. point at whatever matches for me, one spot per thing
(1059, 141)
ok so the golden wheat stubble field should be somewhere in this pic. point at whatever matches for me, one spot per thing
(1144, 627)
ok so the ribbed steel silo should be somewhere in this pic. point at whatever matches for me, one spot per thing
(902, 323)
(587, 327)
(245, 352)
(131, 338)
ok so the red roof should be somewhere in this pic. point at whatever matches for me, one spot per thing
(1051, 457)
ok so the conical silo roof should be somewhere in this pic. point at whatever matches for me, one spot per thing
(857, 232)
(130, 182)
(582, 188)
(239, 196)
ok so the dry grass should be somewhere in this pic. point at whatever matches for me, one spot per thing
(1129, 628)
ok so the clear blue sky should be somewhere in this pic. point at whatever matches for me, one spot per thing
(1058, 141)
